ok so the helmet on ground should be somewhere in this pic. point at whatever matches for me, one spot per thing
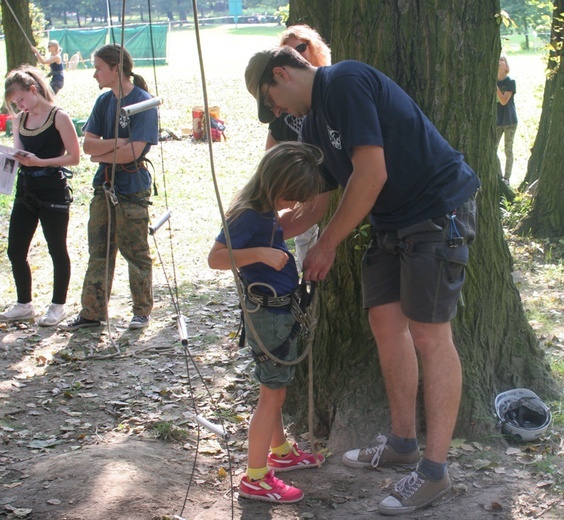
(522, 414)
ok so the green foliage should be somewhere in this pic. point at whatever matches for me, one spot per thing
(513, 212)
(284, 13)
(526, 17)
(362, 234)
(167, 431)
(37, 21)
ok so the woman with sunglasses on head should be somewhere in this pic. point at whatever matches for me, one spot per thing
(308, 42)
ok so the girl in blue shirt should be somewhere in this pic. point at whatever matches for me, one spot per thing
(287, 175)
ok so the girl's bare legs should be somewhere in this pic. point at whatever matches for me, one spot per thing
(266, 428)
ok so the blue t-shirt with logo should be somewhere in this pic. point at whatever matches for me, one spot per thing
(141, 127)
(253, 229)
(353, 104)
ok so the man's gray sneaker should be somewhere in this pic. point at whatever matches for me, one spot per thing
(79, 323)
(139, 322)
(382, 455)
(412, 493)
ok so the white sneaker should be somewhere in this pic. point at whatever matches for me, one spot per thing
(20, 311)
(54, 315)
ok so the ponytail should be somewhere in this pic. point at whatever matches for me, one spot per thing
(140, 82)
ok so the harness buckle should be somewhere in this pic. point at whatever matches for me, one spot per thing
(455, 242)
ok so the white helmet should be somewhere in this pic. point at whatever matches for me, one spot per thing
(522, 414)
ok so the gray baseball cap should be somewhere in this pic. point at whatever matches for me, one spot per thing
(253, 73)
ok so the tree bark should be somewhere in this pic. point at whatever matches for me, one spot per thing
(546, 218)
(17, 49)
(445, 56)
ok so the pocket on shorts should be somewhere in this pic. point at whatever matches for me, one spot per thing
(273, 329)
(466, 217)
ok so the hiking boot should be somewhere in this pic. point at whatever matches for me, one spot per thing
(79, 323)
(295, 459)
(54, 315)
(139, 322)
(20, 311)
(413, 492)
(382, 455)
(269, 489)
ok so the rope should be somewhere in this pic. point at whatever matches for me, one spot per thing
(238, 283)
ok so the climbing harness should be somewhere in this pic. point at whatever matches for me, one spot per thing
(296, 302)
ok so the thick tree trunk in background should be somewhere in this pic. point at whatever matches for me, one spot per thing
(17, 49)
(446, 58)
(546, 218)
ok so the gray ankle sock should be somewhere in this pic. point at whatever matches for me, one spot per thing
(432, 470)
(401, 444)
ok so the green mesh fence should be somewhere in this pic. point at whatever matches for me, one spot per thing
(140, 41)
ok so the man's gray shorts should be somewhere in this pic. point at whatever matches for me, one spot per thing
(421, 266)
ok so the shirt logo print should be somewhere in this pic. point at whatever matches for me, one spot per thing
(334, 137)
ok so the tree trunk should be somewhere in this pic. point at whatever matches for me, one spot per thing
(446, 59)
(555, 52)
(546, 218)
(17, 49)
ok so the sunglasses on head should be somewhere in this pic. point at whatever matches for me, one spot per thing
(301, 47)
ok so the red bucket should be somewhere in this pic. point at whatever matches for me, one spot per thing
(3, 119)
(197, 122)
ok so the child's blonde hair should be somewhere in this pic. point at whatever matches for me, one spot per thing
(288, 171)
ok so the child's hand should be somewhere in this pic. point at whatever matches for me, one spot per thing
(275, 258)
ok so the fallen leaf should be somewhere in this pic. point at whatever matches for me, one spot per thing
(385, 483)
(12, 485)
(512, 451)
(479, 464)
(545, 483)
(19, 512)
(49, 443)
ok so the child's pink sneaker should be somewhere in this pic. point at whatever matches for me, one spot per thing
(296, 459)
(269, 489)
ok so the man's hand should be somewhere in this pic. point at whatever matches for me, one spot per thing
(318, 262)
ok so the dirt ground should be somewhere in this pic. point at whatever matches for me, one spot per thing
(79, 425)
(99, 425)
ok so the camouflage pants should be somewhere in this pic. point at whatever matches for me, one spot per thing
(129, 233)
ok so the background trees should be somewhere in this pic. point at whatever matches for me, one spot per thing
(446, 59)
(80, 12)
(17, 50)
(546, 218)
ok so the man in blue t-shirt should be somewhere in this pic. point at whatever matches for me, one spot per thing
(124, 188)
(419, 194)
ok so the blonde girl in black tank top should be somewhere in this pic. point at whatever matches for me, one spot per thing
(46, 141)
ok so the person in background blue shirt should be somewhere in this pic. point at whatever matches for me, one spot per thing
(506, 118)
